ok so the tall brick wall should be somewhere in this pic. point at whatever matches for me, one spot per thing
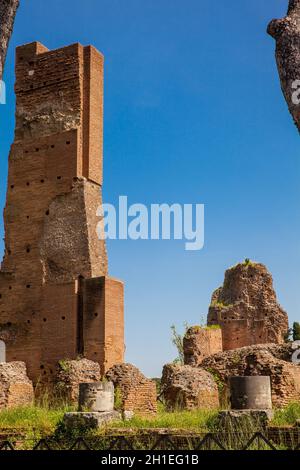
(54, 190)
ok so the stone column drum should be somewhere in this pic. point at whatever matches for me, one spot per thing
(250, 393)
(96, 396)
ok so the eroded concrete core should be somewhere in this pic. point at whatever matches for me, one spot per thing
(246, 308)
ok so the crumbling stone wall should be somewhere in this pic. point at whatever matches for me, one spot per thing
(271, 360)
(199, 343)
(71, 373)
(246, 308)
(52, 253)
(137, 393)
(187, 387)
(15, 387)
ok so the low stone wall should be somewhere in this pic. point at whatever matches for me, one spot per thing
(199, 343)
(269, 359)
(15, 387)
(186, 387)
(71, 373)
(137, 393)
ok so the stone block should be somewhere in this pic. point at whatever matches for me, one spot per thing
(187, 387)
(244, 420)
(89, 420)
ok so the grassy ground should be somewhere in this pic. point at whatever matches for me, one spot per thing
(31, 418)
(44, 420)
(197, 420)
(287, 416)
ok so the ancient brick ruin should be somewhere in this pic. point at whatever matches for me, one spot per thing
(137, 393)
(271, 360)
(187, 387)
(200, 342)
(56, 299)
(246, 308)
(72, 373)
(15, 387)
(244, 337)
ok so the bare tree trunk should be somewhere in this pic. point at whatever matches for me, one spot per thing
(286, 32)
(8, 9)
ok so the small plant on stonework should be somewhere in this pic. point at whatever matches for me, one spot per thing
(236, 359)
(220, 383)
(118, 399)
(247, 262)
(220, 304)
(63, 364)
(212, 327)
(177, 340)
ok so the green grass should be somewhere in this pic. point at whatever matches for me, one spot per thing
(196, 420)
(31, 418)
(287, 416)
(44, 420)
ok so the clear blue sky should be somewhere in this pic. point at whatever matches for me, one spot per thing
(193, 114)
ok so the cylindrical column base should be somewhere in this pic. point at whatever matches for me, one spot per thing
(96, 396)
(250, 393)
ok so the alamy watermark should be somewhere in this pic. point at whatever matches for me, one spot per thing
(156, 222)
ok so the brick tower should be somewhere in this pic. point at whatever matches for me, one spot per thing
(56, 300)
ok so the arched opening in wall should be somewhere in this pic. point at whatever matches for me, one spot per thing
(2, 351)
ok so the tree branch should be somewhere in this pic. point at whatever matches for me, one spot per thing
(286, 32)
(8, 9)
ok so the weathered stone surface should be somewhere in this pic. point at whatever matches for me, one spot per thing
(15, 387)
(137, 393)
(97, 396)
(270, 359)
(8, 9)
(246, 308)
(187, 387)
(89, 420)
(286, 32)
(71, 373)
(56, 300)
(199, 343)
(238, 423)
(250, 392)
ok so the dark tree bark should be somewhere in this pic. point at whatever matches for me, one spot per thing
(8, 9)
(286, 32)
